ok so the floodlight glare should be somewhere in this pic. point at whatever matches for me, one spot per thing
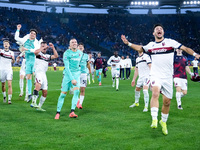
(131, 3)
(156, 3)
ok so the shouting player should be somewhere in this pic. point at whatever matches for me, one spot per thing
(41, 67)
(142, 68)
(162, 54)
(6, 72)
(72, 58)
(180, 76)
(30, 44)
(114, 62)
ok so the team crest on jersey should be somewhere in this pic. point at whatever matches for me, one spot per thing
(153, 82)
(163, 44)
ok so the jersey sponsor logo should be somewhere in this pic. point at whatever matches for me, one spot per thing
(75, 59)
(161, 50)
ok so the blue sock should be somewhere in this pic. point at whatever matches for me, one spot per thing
(75, 99)
(99, 79)
(60, 102)
(29, 86)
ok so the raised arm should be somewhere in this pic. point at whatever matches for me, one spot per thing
(55, 54)
(189, 51)
(133, 46)
(17, 38)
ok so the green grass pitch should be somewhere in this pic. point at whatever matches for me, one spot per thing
(105, 123)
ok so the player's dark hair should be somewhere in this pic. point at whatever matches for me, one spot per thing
(158, 24)
(34, 30)
(81, 44)
(44, 42)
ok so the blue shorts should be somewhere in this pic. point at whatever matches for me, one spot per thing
(67, 85)
(98, 71)
(29, 68)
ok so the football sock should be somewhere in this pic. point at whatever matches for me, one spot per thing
(60, 102)
(29, 86)
(113, 80)
(154, 113)
(182, 94)
(88, 76)
(75, 99)
(146, 98)
(42, 99)
(99, 79)
(137, 96)
(9, 97)
(92, 76)
(178, 98)
(4, 94)
(164, 117)
(26, 88)
(81, 99)
(35, 96)
(21, 85)
(117, 83)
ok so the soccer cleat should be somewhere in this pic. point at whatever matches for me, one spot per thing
(99, 83)
(9, 102)
(179, 107)
(134, 105)
(26, 98)
(40, 109)
(57, 116)
(117, 89)
(164, 127)
(4, 99)
(34, 105)
(145, 109)
(93, 81)
(154, 124)
(79, 106)
(73, 115)
(29, 98)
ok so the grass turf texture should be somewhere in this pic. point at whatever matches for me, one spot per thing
(106, 122)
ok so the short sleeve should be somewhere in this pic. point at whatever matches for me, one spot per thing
(148, 59)
(175, 44)
(147, 47)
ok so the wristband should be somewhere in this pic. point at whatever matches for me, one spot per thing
(17, 30)
(129, 44)
(194, 54)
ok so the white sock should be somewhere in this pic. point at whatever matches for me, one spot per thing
(26, 89)
(154, 113)
(42, 99)
(113, 80)
(164, 117)
(4, 94)
(34, 98)
(137, 96)
(81, 99)
(9, 97)
(178, 98)
(88, 77)
(182, 94)
(146, 98)
(21, 85)
(92, 76)
(117, 83)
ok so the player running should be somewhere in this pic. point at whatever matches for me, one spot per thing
(98, 63)
(41, 67)
(6, 72)
(30, 44)
(162, 54)
(85, 66)
(22, 75)
(91, 61)
(142, 68)
(114, 62)
(180, 76)
(72, 58)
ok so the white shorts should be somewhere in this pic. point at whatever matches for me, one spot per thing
(83, 80)
(165, 85)
(41, 78)
(179, 82)
(6, 75)
(115, 73)
(143, 81)
(22, 72)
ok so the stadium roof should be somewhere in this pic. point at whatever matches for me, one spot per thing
(98, 3)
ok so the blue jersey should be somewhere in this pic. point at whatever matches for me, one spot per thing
(72, 63)
(84, 62)
(30, 56)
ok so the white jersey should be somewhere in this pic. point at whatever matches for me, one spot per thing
(142, 65)
(128, 63)
(54, 65)
(91, 60)
(6, 59)
(195, 63)
(114, 61)
(123, 63)
(41, 62)
(162, 55)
